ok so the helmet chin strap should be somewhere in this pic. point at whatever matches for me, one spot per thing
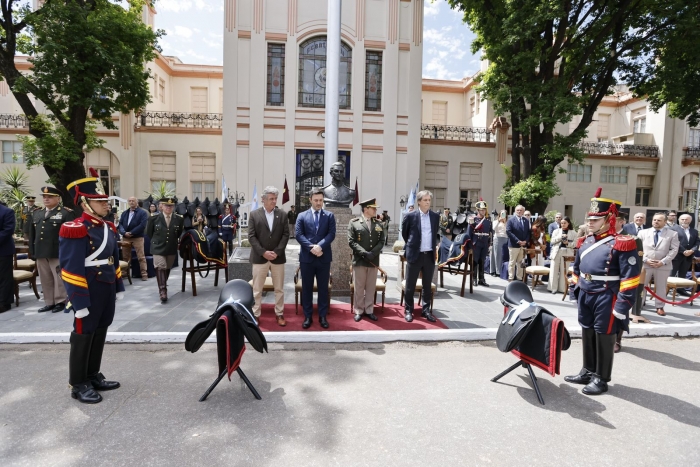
(89, 208)
(605, 227)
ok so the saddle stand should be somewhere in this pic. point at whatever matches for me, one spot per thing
(533, 378)
(221, 375)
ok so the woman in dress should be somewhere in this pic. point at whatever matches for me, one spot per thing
(227, 225)
(538, 240)
(563, 241)
(198, 220)
(499, 239)
(153, 210)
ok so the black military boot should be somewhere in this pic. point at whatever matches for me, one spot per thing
(482, 275)
(588, 342)
(605, 345)
(93, 369)
(81, 388)
(160, 277)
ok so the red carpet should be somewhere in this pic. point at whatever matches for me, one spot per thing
(341, 318)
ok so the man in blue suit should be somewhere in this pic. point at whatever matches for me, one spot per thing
(637, 226)
(419, 230)
(7, 252)
(519, 232)
(315, 231)
(132, 226)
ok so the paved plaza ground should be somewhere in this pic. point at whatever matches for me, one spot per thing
(352, 404)
(141, 310)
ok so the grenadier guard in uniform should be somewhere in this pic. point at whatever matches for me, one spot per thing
(43, 247)
(479, 232)
(605, 279)
(90, 270)
(164, 231)
(28, 215)
(366, 239)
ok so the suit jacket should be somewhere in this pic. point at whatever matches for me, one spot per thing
(557, 245)
(683, 242)
(164, 239)
(517, 232)
(307, 236)
(631, 229)
(262, 239)
(666, 248)
(552, 227)
(137, 226)
(7, 228)
(412, 233)
(43, 233)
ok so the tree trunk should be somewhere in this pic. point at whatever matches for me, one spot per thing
(72, 171)
(515, 150)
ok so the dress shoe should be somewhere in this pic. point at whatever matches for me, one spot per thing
(3, 308)
(323, 322)
(307, 322)
(618, 347)
(683, 293)
(660, 312)
(85, 393)
(357, 318)
(46, 308)
(99, 382)
(494, 275)
(59, 307)
(372, 316)
(144, 278)
(596, 387)
(584, 377)
(429, 316)
(483, 283)
(408, 316)
(280, 320)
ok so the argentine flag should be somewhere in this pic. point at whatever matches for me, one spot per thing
(254, 201)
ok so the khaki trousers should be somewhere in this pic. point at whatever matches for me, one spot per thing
(126, 253)
(259, 276)
(163, 262)
(660, 279)
(51, 282)
(516, 257)
(365, 279)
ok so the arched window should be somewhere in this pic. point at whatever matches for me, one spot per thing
(690, 192)
(312, 73)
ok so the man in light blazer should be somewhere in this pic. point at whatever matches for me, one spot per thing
(519, 231)
(419, 230)
(268, 234)
(688, 243)
(315, 231)
(660, 247)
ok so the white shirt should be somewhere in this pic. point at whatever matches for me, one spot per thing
(270, 217)
(426, 243)
(131, 214)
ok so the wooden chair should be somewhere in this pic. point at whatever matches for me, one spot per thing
(125, 267)
(19, 276)
(467, 270)
(379, 287)
(569, 271)
(419, 284)
(676, 282)
(298, 288)
(536, 271)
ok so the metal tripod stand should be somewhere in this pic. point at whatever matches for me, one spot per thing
(529, 370)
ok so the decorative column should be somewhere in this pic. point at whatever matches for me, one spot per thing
(332, 89)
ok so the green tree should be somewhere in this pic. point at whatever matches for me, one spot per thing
(551, 60)
(88, 62)
(13, 191)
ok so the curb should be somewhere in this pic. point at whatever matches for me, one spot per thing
(442, 335)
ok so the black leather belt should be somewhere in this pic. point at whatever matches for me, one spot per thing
(427, 253)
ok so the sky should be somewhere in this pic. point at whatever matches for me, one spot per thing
(195, 35)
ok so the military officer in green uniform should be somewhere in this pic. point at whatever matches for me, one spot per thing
(28, 216)
(43, 247)
(366, 238)
(164, 230)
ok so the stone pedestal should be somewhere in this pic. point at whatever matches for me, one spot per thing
(342, 254)
(239, 266)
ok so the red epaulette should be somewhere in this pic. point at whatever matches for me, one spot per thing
(580, 241)
(625, 243)
(111, 226)
(73, 229)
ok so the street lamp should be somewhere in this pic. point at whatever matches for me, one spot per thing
(236, 199)
(402, 201)
(494, 213)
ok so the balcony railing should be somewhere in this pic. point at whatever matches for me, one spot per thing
(456, 133)
(607, 149)
(13, 121)
(178, 120)
(691, 153)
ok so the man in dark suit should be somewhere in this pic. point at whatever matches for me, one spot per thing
(315, 231)
(518, 230)
(164, 230)
(268, 234)
(637, 226)
(132, 226)
(420, 230)
(7, 252)
(688, 244)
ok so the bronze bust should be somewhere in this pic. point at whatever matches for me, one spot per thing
(337, 194)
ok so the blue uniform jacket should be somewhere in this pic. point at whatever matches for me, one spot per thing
(616, 256)
(226, 227)
(306, 235)
(78, 240)
(480, 233)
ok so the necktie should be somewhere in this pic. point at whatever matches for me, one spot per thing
(656, 237)
(167, 221)
(315, 221)
(639, 229)
(46, 214)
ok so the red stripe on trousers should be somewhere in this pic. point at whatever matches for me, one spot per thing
(78, 325)
(612, 316)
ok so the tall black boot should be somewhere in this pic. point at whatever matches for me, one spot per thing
(588, 343)
(618, 341)
(605, 344)
(93, 369)
(482, 273)
(160, 277)
(81, 388)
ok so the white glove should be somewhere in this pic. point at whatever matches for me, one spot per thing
(82, 313)
(120, 295)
